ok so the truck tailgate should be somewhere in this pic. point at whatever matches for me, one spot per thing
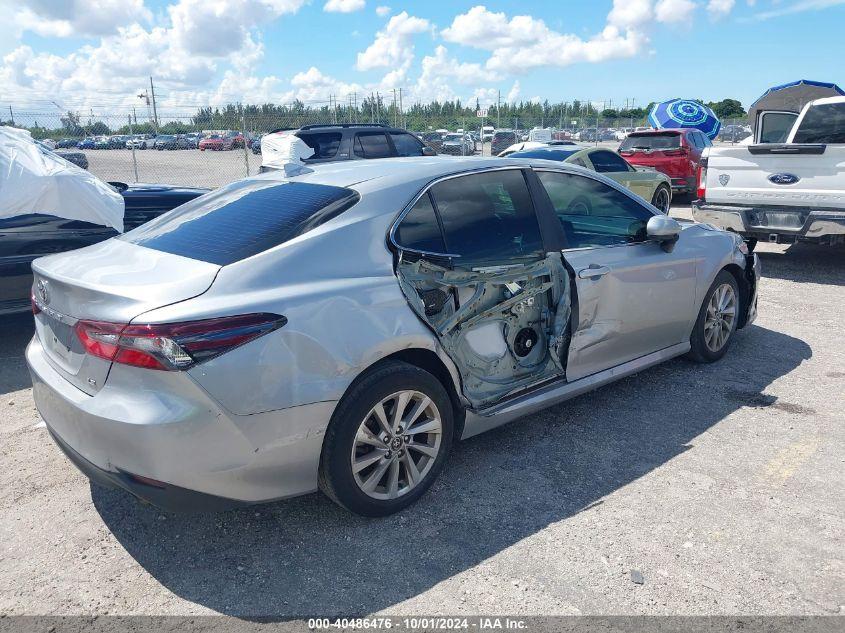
(784, 176)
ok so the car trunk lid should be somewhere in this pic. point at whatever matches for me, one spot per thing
(113, 281)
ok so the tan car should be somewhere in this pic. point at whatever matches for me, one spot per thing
(653, 186)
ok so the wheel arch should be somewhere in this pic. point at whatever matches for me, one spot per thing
(427, 360)
(745, 291)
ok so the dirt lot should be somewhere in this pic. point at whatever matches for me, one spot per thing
(722, 484)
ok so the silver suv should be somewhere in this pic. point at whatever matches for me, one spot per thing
(338, 329)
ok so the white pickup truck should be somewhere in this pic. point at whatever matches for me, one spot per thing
(781, 192)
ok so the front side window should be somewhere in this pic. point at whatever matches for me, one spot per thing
(242, 219)
(608, 162)
(406, 144)
(488, 218)
(324, 144)
(373, 145)
(593, 213)
(822, 124)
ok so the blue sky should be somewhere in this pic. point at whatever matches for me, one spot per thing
(98, 53)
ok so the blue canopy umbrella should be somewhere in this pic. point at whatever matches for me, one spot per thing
(681, 113)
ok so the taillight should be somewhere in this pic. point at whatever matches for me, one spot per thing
(35, 307)
(682, 151)
(173, 346)
(702, 180)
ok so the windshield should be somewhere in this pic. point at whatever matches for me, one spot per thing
(651, 142)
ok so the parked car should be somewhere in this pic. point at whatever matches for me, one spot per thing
(354, 141)
(26, 237)
(193, 140)
(457, 145)
(256, 145)
(650, 185)
(102, 142)
(501, 140)
(781, 192)
(86, 143)
(171, 141)
(67, 143)
(734, 133)
(139, 141)
(118, 141)
(677, 153)
(224, 360)
(50, 143)
(433, 139)
(77, 158)
(216, 142)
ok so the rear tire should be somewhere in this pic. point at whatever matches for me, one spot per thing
(375, 468)
(717, 320)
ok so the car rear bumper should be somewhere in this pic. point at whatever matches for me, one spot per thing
(775, 224)
(162, 426)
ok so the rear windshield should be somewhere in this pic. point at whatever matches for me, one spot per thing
(554, 154)
(498, 136)
(650, 141)
(242, 220)
(822, 124)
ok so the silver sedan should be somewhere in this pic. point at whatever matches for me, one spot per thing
(338, 328)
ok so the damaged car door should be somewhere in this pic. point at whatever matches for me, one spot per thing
(473, 266)
(634, 296)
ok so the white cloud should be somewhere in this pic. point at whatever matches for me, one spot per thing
(393, 46)
(383, 11)
(523, 42)
(720, 8)
(678, 12)
(513, 93)
(630, 13)
(343, 6)
(313, 85)
(77, 18)
(798, 7)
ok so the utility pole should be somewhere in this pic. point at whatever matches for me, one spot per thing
(401, 111)
(498, 108)
(12, 114)
(155, 112)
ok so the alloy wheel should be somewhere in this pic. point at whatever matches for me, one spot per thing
(396, 445)
(661, 200)
(721, 314)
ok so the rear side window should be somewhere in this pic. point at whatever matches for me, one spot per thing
(372, 146)
(324, 144)
(775, 126)
(651, 142)
(608, 162)
(822, 124)
(419, 230)
(488, 218)
(406, 144)
(242, 220)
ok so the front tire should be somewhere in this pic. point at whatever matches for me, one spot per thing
(717, 320)
(662, 198)
(388, 439)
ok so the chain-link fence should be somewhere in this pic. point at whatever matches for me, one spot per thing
(214, 146)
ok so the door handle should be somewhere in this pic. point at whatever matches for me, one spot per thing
(593, 271)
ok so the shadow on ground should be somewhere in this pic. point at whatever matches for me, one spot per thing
(306, 556)
(16, 331)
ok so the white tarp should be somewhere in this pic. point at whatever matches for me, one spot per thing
(36, 181)
(284, 150)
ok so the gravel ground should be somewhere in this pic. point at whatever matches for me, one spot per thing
(722, 485)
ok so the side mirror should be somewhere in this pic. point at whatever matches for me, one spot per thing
(427, 151)
(665, 230)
